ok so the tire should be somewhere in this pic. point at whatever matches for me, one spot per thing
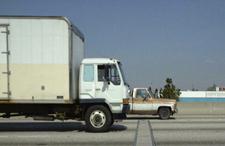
(98, 119)
(164, 113)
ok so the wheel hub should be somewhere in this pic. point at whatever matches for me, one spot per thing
(97, 119)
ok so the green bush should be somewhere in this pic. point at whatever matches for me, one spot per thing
(170, 91)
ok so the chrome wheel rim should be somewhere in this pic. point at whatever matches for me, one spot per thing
(97, 119)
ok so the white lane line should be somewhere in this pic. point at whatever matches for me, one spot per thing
(34, 136)
(136, 134)
(151, 133)
(144, 135)
(23, 136)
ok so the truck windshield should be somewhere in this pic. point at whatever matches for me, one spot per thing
(122, 73)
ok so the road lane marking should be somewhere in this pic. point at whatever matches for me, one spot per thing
(144, 135)
(136, 134)
(24, 136)
(151, 133)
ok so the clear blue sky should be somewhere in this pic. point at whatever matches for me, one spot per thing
(155, 39)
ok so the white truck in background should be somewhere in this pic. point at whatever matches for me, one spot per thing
(43, 74)
(142, 102)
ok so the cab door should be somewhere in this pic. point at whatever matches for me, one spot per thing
(108, 84)
(141, 102)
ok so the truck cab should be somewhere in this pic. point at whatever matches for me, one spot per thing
(142, 102)
(102, 83)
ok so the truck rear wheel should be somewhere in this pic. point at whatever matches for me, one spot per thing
(164, 113)
(98, 118)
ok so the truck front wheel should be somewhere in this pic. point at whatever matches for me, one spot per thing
(164, 113)
(98, 118)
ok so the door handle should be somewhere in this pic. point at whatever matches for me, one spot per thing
(97, 89)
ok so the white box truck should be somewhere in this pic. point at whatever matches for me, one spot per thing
(43, 74)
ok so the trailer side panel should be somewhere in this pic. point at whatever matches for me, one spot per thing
(39, 62)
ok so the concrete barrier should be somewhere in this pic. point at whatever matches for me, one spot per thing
(201, 108)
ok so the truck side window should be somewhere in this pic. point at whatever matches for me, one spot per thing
(101, 73)
(88, 73)
(113, 74)
(141, 93)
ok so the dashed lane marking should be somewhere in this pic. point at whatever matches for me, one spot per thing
(144, 135)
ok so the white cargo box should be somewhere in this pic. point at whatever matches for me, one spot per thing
(39, 59)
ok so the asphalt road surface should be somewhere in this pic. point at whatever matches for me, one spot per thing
(197, 130)
(191, 130)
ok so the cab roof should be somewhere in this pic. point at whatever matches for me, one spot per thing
(99, 60)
